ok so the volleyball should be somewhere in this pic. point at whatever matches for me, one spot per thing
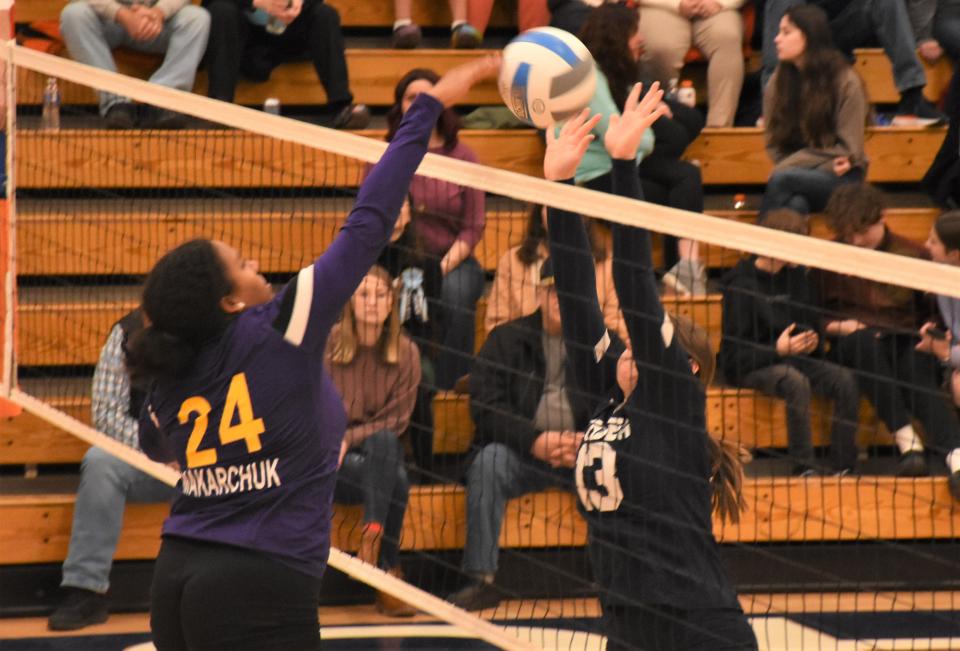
(547, 76)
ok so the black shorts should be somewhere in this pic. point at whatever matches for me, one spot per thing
(664, 628)
(207, 596)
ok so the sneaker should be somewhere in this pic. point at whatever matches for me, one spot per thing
(912, 464)
(122, 115)
(806, 470)
(81, 608)
(406, 37)
(158, 118)
(953, 483)
(465, 37)
(352, 116)
(478, 595)
(391, 606)
(921, 114)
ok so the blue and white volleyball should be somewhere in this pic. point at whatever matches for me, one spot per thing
(547, 76)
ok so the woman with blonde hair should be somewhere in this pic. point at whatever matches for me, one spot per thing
(376, 368)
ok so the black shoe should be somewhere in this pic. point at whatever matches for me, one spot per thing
(158, 118)
(919, 113)
(912, 464)
(121, 116)
(953, 483)
(80, 609)
(478, 595)
(352, 116)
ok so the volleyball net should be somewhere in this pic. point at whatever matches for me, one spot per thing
(89, 211)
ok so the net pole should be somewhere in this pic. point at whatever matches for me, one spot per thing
(340, 560)
(7, 234)
(798, 249)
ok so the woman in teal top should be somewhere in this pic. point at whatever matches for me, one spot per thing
(613, 37)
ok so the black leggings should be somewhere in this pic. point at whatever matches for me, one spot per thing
(207, 596)
(664, 628)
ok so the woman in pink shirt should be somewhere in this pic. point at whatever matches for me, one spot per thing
(449, 220)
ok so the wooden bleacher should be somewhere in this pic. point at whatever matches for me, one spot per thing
(230, 159)
(37, 527)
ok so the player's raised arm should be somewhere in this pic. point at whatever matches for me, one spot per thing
(632, 260)
(313, 300)
(584, 331)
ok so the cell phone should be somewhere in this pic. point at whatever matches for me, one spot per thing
(801, 328)
(937, 333)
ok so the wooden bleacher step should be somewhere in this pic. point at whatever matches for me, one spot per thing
(83, 159)
(37, 527)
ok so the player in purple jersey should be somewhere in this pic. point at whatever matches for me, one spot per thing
(242, 404)
(647, 471)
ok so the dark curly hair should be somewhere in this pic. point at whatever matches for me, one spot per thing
(805, 100)
(181, 302)
(448, 126)
(606, 34)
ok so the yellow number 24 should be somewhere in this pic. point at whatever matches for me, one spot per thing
(247, 429)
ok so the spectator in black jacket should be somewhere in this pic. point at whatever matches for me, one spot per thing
(528, 430)
(769, 342)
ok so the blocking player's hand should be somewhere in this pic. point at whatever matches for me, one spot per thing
(566, 149)
(455, 84)
(626, 130)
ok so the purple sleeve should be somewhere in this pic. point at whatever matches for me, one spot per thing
(152, 441)
(311, 302)
(474, 206)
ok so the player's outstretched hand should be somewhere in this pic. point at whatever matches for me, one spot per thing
(455, 84)
(626, 130)
(565, 151)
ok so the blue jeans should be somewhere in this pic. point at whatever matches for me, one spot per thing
(803, 190)
(106, 485)
(861, 22)
(461, 289)
(496, 475)
(373, 474)
(182, 41)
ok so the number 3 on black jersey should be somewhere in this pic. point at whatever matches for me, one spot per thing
(597, 483)
(247, 429)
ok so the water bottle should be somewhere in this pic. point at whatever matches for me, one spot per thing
(50, 118)
(276, 26)
(687, 94)
(271, 105)
(739, 201)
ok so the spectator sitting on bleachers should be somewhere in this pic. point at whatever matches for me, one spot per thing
(715, 27)
(942, 180)
(528, 430)
(530, 14)
(612, 35)
(856, 23)
(174, 28)
(874, 331)
(770, 343)
(244, 39)
(448, 220)
(106, 485)
(943, 245)
(815, 112)
(376, 368)
(419, 284)
(406, 33)
(515, 292)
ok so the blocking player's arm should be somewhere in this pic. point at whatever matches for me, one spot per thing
(152, 440)
(586, 336)
(311, 303)
(650, 330)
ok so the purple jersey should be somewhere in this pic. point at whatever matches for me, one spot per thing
(256, 426)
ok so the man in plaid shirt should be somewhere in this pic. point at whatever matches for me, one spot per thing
(106, 483)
